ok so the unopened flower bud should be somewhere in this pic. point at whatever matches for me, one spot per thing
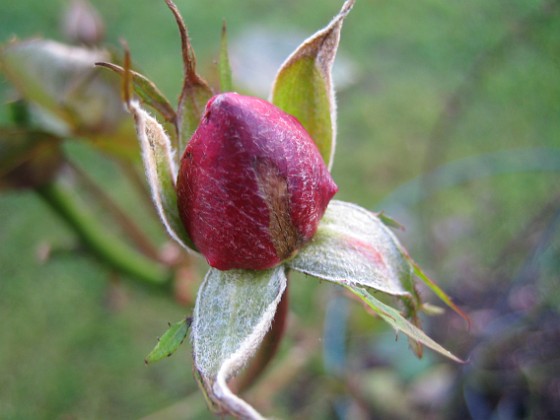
(82, 24)
(252, 186)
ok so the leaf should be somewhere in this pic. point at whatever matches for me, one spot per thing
(169, 342)
(147, 91)
(304, 88)
(195, 92)
(226, 84)
(161, 172)
(353, 246)
(234, 310)
(395, 319)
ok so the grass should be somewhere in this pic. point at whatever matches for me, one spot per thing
(64, 352)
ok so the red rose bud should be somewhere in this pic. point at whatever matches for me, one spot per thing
(252, 186)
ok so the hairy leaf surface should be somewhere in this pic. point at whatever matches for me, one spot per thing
(234, 310)
(353, 246)
(304, 87)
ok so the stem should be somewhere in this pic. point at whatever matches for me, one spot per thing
(108, 248)
(144, 245)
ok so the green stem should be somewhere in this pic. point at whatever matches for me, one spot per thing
(129, 227)
(105, 246)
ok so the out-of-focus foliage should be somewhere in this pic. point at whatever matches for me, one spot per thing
(67, 95)
(28, 158)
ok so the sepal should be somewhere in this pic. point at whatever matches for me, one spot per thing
(304, 87)
(233, 312)
(161, 171)
(352, 246)
(398, 322)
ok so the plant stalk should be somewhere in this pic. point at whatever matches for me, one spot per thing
(105, 246)
(129, 227)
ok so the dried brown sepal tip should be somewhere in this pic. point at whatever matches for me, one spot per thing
(195, 91)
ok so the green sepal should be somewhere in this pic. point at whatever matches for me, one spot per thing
(438, 291)
(161, 172)
(226, 84)
(233, 312)
(147, 92)
(398, 322)
(353, 246)
(304, 88)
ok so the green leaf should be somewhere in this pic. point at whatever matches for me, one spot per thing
(169, 342)
(195, 92)
(226, 85)
(161, 172)
(147, 92)
(234, 310)
(396, 320)
(304, 88)
(353, 246)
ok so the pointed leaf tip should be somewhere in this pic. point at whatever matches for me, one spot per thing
(226, 84)
(169, 342)
(399, 323)
(438, 291)
(304, 88)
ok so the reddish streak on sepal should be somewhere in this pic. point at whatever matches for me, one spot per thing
(368, 251)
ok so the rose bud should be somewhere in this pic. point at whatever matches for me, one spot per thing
(252, 186)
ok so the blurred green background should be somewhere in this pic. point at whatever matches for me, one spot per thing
(449, 120)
